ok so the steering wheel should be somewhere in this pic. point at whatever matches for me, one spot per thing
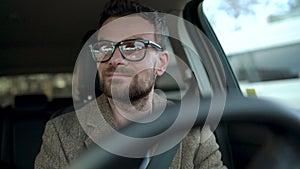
(238, 110)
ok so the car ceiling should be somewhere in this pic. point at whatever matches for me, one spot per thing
(45, 36)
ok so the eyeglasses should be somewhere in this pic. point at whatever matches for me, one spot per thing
(131, 49)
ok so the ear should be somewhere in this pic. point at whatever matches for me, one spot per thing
(162, 63)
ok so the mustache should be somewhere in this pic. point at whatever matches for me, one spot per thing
(119, 70)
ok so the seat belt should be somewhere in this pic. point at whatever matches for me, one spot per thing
(163, 160)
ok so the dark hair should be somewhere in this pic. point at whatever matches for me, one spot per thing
(119, 8)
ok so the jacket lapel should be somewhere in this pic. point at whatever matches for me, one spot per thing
(98, 122)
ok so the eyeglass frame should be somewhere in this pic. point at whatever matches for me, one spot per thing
(119, 44)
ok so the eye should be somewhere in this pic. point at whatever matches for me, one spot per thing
(133, 46)
(106, 49)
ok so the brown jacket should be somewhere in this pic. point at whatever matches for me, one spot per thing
(64, 140)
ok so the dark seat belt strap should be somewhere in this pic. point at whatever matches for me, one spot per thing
(163, 160)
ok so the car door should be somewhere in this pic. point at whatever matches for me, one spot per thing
(256, 42)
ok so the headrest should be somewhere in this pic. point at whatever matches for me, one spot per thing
(31, 102)
(58, 103)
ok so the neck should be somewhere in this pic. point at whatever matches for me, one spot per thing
(126, 111)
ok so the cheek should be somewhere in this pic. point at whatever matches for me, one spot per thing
(146, 77)
(100, 71)
(149, 63)
(99, 66)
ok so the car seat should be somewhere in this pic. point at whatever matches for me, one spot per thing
(22, 128)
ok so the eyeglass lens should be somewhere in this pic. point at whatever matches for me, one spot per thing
(130, 50)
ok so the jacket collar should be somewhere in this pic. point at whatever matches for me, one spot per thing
(99, 121)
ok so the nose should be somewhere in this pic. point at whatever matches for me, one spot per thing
(116, 58)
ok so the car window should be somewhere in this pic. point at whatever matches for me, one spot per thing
(53, 85)
(60, 85)
(261, 40)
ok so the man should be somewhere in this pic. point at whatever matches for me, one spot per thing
(128, 63)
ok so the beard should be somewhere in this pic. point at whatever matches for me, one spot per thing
(140, 85)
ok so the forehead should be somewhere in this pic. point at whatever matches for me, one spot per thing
(120, 28)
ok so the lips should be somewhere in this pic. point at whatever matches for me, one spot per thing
(119, 72)
(117, 75)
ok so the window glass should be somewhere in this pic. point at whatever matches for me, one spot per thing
(53, 85)
(174, 81)
(262, 42)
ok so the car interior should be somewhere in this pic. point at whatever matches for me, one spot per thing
(39, 48)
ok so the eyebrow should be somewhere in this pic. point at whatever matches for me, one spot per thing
(131, 37)
(135, 37)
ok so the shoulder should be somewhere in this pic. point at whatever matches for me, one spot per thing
(64, 120)
(65, 126)
(201, 137)
(63, 141)
(68, 124)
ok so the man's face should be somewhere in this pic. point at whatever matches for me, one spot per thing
(123, 79)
